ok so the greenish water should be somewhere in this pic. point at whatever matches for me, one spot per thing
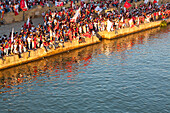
(126, 75)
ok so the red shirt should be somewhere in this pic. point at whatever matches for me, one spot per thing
(6, 45)
(154, 14)
(45, 43)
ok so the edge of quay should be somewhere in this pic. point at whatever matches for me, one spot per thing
(127, 31)
(33, 55)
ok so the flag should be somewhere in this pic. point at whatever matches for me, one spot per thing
(71, 5)
(109, 25)
(12, 35)
(155, 2)
(28, 23)
(25, 8)
(23, 5)
(75, 16)
(58, 4)
(16, 10)
(127, 5)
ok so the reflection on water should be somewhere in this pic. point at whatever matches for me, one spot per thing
(67, 67)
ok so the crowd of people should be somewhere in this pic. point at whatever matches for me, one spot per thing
(77, 22)
(12, 5)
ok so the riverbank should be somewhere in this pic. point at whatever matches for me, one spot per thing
(32, 55)
(127, 31)
(106, 47)
(14, 60)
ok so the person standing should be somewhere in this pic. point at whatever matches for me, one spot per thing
(6, 48)
(29, 42)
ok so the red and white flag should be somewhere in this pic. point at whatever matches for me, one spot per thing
(23, 5)
(76, 15)
(155, 2)
(28, 23)
(58, 4)
(16, 10)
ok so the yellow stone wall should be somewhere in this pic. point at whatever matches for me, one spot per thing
(14, 60)
(127, 31)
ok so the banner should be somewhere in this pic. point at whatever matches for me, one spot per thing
(75, 16)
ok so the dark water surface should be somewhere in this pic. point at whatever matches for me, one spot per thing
(126, 75)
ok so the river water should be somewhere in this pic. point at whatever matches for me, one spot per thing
(126, 75)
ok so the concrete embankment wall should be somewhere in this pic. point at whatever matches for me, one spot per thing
(32, 55)
(127, 31)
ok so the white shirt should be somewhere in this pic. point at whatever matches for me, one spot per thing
(29, 39)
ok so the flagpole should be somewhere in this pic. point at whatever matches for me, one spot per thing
(23, 15)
